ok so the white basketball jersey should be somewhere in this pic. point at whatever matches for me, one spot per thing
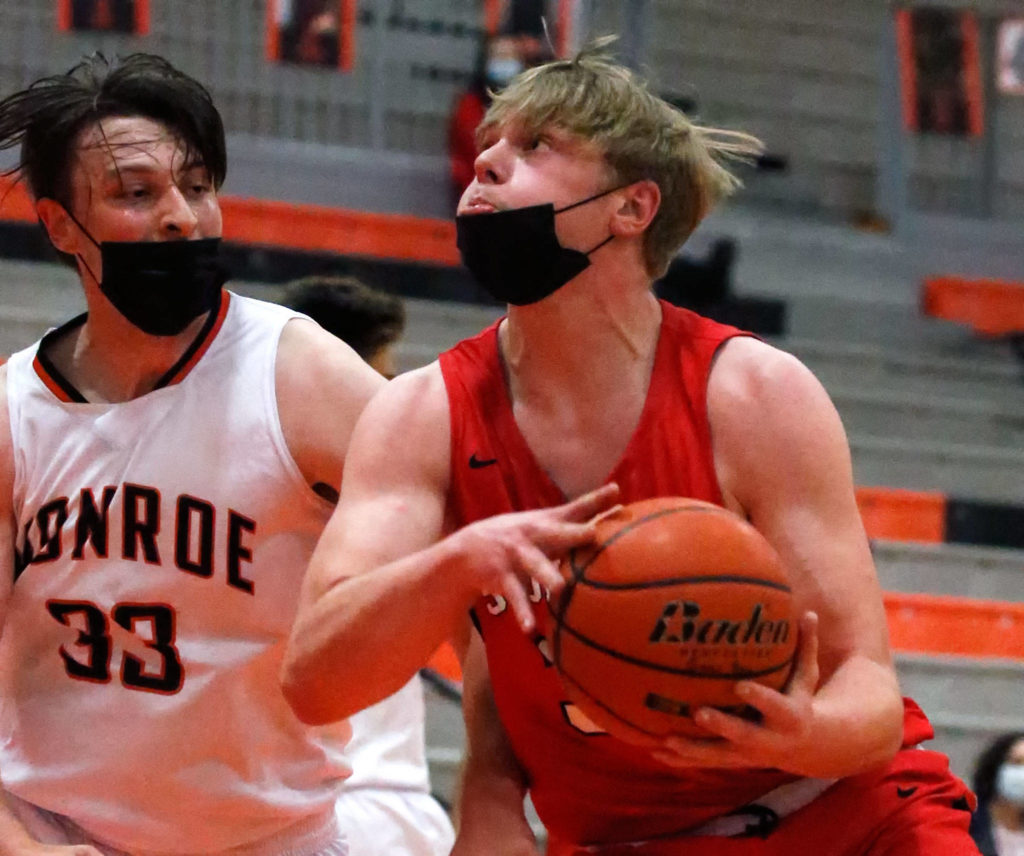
(387, 748)
(161, 546)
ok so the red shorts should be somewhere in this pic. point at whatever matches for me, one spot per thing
(913, 807)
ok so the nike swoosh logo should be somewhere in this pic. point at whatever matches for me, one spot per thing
(475, 463)
(903, 793)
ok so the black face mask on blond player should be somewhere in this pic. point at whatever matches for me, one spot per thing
(515, 254)
(160, 286)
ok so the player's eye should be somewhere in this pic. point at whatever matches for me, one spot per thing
(533, 142)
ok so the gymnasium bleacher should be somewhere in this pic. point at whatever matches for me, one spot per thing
(934, 411)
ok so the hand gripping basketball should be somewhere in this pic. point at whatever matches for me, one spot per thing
(502, 554)
(675, 604)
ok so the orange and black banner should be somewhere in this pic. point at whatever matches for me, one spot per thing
(940, 71)
(113, 16)
(312, 34)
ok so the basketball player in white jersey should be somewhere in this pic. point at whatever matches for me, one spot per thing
(386, 806)
(164, 466)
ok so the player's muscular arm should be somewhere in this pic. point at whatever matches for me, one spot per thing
(14, 839)
(783, 460)
(322, 387)
(489, 815)
(359, 636)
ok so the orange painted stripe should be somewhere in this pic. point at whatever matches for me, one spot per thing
(222, 313)
(64, 15)
(305, 227)
(272, 37)
(972, 75)
(565, 16)
(142, 17)
(347, 35)
(903, 515)
(15, 203)
(312, 227)
(992, 307)
(50, 383)
(492, 16)
(940, 624)
(908, 71)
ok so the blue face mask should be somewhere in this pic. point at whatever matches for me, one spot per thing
(1010, 783)
(501, 71)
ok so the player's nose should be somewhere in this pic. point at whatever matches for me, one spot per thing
(493, 164)
(177, 218)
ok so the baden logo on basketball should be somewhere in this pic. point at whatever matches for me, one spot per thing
(681, 622)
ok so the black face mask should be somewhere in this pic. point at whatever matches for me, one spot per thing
(162, 286)
(515, 255)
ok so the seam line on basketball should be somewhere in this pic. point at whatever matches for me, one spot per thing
(629, 527)
(710, 578)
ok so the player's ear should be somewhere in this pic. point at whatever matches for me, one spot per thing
(640, 203)
(64, 234)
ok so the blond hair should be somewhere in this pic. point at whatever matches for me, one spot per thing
(641, 137)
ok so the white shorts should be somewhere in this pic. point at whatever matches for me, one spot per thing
(381, 822)
(314, 837)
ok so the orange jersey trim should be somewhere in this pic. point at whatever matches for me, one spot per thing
(198, 348)
(59, 392)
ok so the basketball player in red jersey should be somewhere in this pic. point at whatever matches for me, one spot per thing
(468, 478)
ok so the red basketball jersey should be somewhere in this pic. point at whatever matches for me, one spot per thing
(587, 786)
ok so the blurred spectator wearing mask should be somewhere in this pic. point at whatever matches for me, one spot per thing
(501, 58)
(497, 63)
(998, 824)
(385, 805)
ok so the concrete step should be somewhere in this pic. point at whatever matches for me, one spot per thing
(915, 416)
(898, 328)
(985, 573)
(958, 469)
(994, 378)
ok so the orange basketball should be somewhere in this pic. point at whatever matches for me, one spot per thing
(677, 600)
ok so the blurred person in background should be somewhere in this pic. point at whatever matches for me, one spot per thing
(368, 320)
(164, 460)
(386, 806)
(500, 59)
(998, 823)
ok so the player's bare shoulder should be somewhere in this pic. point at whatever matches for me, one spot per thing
(312, 362)
(406, 426)
(772, 422)
(321, 386)
(751, 380)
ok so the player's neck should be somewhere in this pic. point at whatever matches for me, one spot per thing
(591, 333)
(109, 360)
